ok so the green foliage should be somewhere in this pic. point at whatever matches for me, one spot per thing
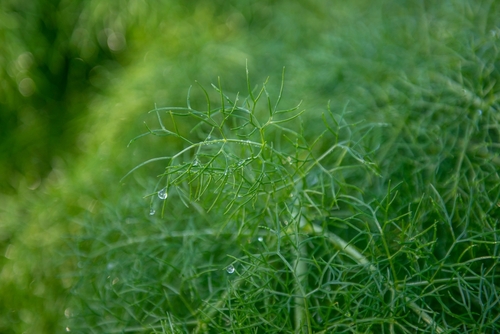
(250, 173)
(266, 225)
(375, 212)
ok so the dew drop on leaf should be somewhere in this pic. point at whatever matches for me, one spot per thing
(162, 194)
(152, 212)
(261, 239)
(230, 269)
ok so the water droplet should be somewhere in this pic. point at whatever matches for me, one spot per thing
(261, 239)
(196, 162)
(480, 112)
(230, 269)
(152, 212)
(68, 329)
(162, 194)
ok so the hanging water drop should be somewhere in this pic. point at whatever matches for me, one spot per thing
(152, 212)
(230, 269)
(261, 239)
(162, 194)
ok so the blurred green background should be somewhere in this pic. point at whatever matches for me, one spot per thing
(77, 78)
